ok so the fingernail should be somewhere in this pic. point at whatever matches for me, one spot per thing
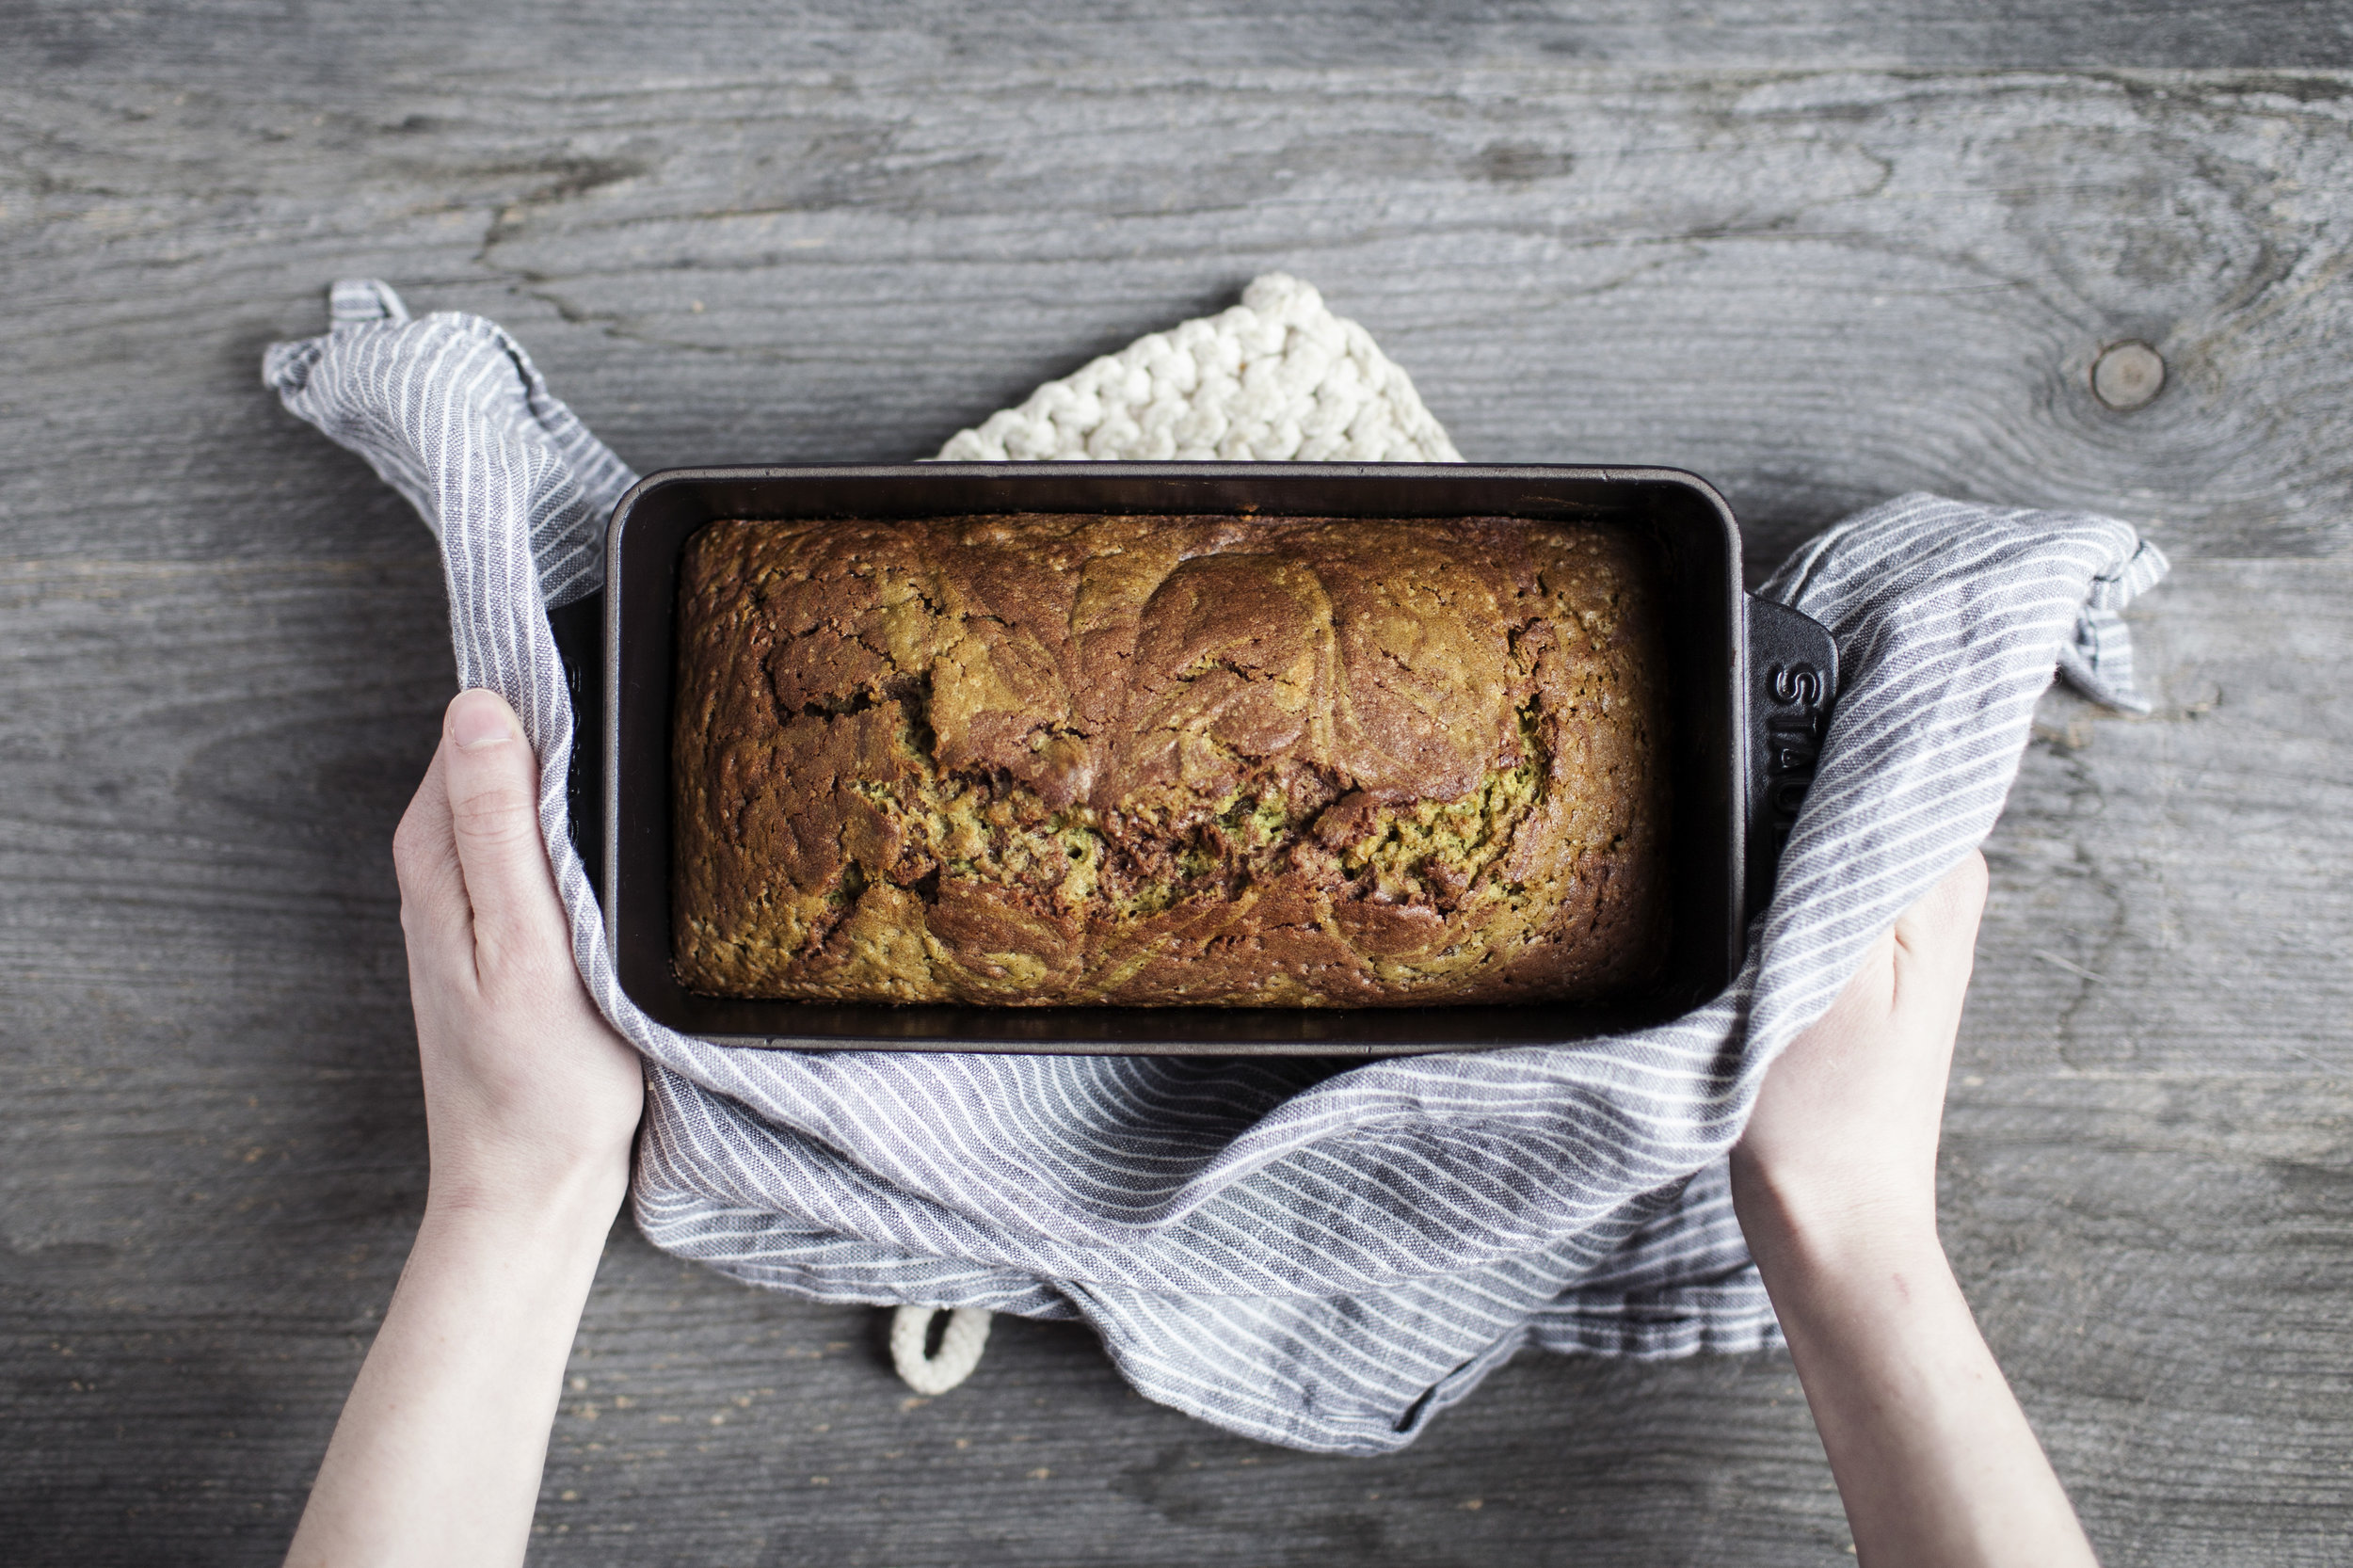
(478, 719)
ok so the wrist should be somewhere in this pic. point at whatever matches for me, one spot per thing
(1832, 1219)
(572, 1197)
(530, 1261)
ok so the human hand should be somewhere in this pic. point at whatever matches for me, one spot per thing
(530, 1101)
(1844, 1134)
(1834, 1183)
(529, 1092)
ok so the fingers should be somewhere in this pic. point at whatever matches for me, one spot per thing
(491, 785)
(1921, 962)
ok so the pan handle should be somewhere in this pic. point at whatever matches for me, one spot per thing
(579, 628)
(1793, 683)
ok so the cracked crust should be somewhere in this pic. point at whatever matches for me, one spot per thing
(1153, 760)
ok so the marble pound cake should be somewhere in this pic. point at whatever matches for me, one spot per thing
(1154, 760)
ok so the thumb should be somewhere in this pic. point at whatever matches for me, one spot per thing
(493, 783)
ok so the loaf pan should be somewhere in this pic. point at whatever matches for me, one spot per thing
(1749, 683)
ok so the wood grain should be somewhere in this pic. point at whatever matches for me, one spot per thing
(341, 44)
(1818, 258)
(2175, 891)
(1816, 288)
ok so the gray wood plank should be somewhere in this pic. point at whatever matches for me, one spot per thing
(339, 44)
(2176, 891)
(1817, 289)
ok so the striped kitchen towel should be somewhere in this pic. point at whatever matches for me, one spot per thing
(1313, 1254)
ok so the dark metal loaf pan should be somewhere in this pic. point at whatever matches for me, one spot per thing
(1750, 684)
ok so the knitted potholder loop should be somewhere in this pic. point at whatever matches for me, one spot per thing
(959, 1351)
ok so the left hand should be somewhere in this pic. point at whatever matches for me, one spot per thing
(531, 1103)
(530, 1094)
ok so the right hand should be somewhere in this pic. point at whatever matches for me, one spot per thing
(1844, 1134)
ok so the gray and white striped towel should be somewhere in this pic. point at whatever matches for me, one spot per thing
(1317, 1256)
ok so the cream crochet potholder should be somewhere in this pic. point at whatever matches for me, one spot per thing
(1276, 378)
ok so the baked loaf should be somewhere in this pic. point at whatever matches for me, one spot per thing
(1153, 760)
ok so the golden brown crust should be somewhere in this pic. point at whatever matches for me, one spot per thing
(1146, 760)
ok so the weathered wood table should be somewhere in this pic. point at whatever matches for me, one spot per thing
(1819, 252)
